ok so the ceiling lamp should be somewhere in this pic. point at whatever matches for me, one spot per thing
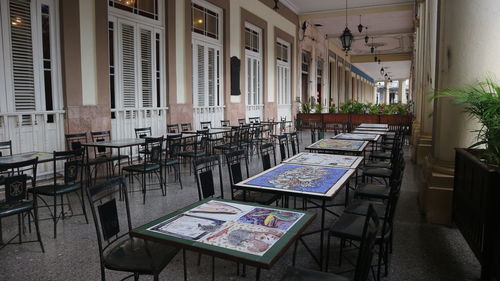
(379, 61)
(360, 26)
(276, 5)
(372, 49)
(386, 75)
(382, 71)
(346, 37)
(375, 59)
(366, 39)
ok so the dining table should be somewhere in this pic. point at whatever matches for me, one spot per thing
(243, 232)
(336, 146)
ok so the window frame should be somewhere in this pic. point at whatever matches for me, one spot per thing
(258, 99)
(286, 99)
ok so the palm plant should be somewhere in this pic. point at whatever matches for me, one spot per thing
(482, 101)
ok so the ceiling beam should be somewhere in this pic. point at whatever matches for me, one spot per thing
(357, 11)
(383, 57)
(376, 35)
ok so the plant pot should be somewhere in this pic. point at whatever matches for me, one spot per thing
(476, 209)
(357, 119)
(336, 118)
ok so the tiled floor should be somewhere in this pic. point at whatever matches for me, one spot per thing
(421, 251)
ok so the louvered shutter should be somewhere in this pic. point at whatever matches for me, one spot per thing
(211, 76)
(146, 68)
(128, 65)
(22, 57)
(200, 73)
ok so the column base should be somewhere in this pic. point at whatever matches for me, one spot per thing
(423, 148)
(436, 192)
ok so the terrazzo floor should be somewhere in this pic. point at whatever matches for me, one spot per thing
(422, 252)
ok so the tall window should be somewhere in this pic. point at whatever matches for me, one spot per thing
(253, 57)
(136, 56)
(207, 55)
(29, 70)
(305, 67)
(283, 72)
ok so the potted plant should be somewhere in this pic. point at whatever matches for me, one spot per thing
(476, 193)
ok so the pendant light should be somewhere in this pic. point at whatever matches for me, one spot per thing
(382, 71)
(372, 49)
(346, 37)
(276, 5)
(360, 26)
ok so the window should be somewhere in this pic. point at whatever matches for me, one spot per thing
(135, 60)
(30, 62)
(207, 55)
(253, 57)
(205, 21)
(145, 8)
(283, 82)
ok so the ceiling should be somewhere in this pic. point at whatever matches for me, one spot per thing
(395, 69)
(389, 22)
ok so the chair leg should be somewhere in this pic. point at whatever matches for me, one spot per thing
(54, 216)
(19, 228)
(340, 252)
(143, 188)
(35, 220)
(136, 276)
(177, 169)
(82, 201)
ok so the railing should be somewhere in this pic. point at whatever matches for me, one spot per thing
(209, 113)
(34, 131)
(124, 121)
(256, 110)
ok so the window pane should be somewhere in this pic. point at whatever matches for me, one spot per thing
(248, 39)
(198, 19)
(255, 41)
(146, 8)
(211, 25)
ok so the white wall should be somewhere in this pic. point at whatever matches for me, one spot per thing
(88, 52)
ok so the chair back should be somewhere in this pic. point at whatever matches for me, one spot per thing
(101, 136)
(5, 146)
(14, 179)
(174, 145)
(367, 246)
(173, 128)
(283, 144)
(294, 141)
(241, 121)
(74, 141)
(155, 147)
(142, 132)
(205, 169)
(186, 127)
(236, 161)
(73, 165)
(267, 151)
(206, 125)
(106, 205)
(225, 123)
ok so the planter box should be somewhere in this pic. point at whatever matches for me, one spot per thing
(309, 118)
(476, 210)
(357, 119)
(335, 118)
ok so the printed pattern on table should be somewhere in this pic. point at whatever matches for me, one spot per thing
(324, 159)
(337, 144)
(300, 178)
(271, 218)
(246, 238)
(187, 226)
(351, 136)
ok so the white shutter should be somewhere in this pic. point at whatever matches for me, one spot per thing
(146, 68)
(211, 76)
(22, 57)
(199, 60)
(249, 81)
(128, 65)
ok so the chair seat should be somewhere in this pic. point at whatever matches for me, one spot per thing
(142, 168)
(116, 157)
(378, 164)
(9, 209)
(360, 207)
(255, 196)
(192, 154)
(137, 255)
(377, 172)
(371, 190)
(227, 146)
(299, 274)
(350, 226)
(170, 162)
(381, 155)
(59, 189)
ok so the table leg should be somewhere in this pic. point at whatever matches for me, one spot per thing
(257, 274)
(322, 234)
(184, 263)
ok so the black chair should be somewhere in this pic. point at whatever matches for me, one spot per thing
(102, 136)
(5, 146)
(294, 142)
(242, 121)
(117, 250)
(206, 125)
(142, 132)
(267, 151)
(185, 127)
(254, 120)
(72, 182)
(204, 173)
(173, 129)
(194, 147)
(15, 180)
(150, 165)
(236, 161)
(231, 141)
(349, 228)
(174, 145)
(283, 145)
(379, 191)
(364, 260)
(75, 141)
(225, 123)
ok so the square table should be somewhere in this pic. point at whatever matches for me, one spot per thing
(338, 146)
(215, 227)
(358, 137)
(306, 181)
(370, 132)
(372, 125)
(25, 156)
(330, 160)
(372, 129)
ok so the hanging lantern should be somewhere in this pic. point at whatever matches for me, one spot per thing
(360, 26)
(346, 39)
(372, 50)
(382, 71)
(379, 61)
(375, 59)
(366, 39)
